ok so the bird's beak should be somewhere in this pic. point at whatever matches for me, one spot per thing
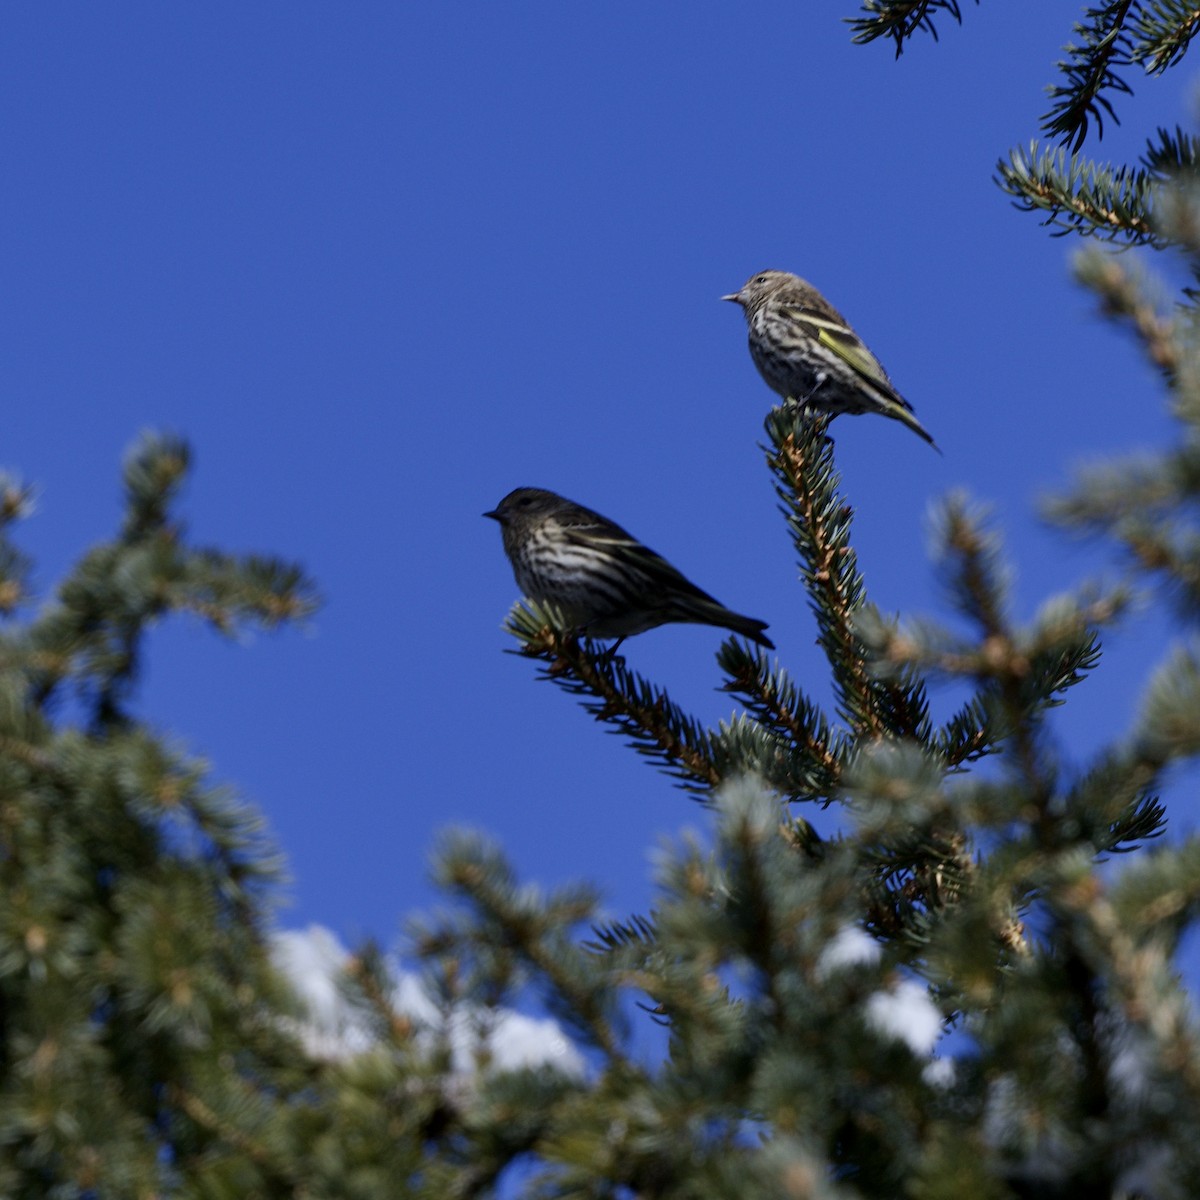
(494, 515)
(736, 297)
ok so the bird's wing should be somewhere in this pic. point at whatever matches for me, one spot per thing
(848, 346)
(597, 532)
(666, 590)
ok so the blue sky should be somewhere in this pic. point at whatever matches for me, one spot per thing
(382, 263)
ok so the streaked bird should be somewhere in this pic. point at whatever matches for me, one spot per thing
(807, 352)
(606, 582)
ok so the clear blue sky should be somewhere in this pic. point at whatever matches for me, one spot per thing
(381, 263)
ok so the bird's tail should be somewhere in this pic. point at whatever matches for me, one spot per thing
(748, 627)
(904, 414)
(710, 612)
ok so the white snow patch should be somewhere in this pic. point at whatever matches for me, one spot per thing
(849, 947)
(906, 1013)
(313, 959)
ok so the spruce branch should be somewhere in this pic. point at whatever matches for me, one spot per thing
(1175, 156)
(1113, 806)
(1135, 964)
(619, 935)
(95, 630)
(1168, 726)
(235, 1136)
(1113, 203)
(368, 983)
(1138, 490)
(651, 722)
(751, 853)
(909, 838)
(741, 746)
(801, 458)
(506, 1116)
(969, 735)
(1158, 895)
(1081, 196)
(1090, 71)
(37, 759)
(16, 502)
(154, 472)
(1162, 31)
(1018, 673)
(1146, 503)
(901, 19)
(506, 919)
(923, 860)
(777, 704)
(1034, 667)
(1170, 553)
(1076, 194)
(1145, 506)
(1124, 299)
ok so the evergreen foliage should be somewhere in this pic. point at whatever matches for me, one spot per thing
(973, 867)
(1114, 202)
(982, 883)
(803, 981)
(136, 1002)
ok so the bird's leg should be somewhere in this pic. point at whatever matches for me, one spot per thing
(605, 656)
(806, 400)
(611, 653)
(822, 378)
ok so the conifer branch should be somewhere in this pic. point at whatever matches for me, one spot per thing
(776, 703)
(1162, 31)
(1168, 728)
(619, 935)
(801, 458)
(1080, 196)
(1174, 157)
(372, 984)
(1144, 506)
(508, 920)
(969, 735)
(35, 757)
(756, 925)
(234, 1136)
(16, 502)
(1019, 672)
(913, 878)
(1158, 896)
(901, 19)
(741, 746)
(1113, 806)
(1172, 554)
(96, 628)
(1123, 299)
(1090, 71)
(1077, 194)
(910, 840)
(1139, 972)
(653, 724)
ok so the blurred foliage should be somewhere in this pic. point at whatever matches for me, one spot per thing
(964, 992)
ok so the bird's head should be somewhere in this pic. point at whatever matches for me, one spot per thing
(760, 288)
(525, 504)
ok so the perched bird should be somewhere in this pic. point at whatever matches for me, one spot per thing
(806, 351)
(606, 582)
